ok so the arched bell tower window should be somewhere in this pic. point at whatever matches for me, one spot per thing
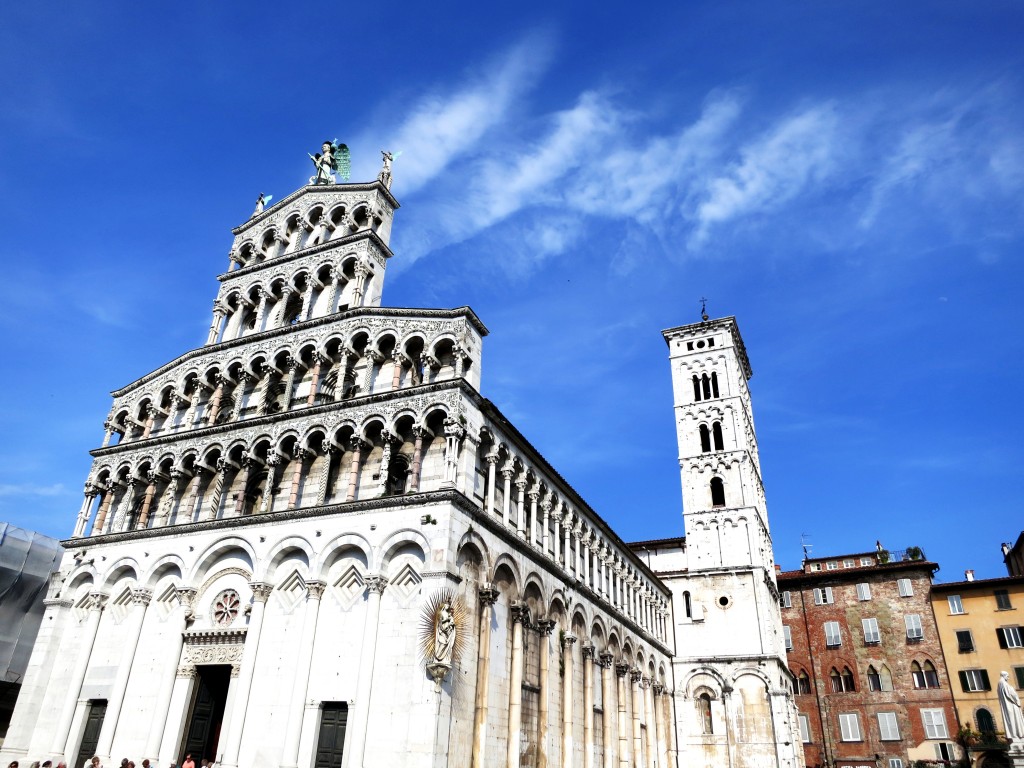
(687, 605)
(705, 439)
(717, 492)
(716, 432)
(704, 713)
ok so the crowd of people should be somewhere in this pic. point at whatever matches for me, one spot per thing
(188, 762)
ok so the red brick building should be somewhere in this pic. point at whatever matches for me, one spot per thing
(872, 687)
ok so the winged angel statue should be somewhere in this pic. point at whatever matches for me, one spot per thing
(332, 161)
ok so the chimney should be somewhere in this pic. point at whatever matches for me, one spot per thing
(969, 575)
(778, 568)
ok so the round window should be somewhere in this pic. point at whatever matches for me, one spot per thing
(724, 601)
(225, 608)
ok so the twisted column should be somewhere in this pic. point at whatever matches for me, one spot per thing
(323, 483)
(244, 379)
(121, 519)
(289, 384)
(210, 417)
(147, 501)
(218, 489)
(373, 359)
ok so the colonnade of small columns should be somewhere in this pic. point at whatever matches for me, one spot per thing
(263, 385)
(303, 230)
(323, 468)
(565, 535)
(635, 706)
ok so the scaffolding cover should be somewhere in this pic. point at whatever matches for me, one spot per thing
(26, 561)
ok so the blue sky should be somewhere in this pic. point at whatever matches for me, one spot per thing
(846, 178)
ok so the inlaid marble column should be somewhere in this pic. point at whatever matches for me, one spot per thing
(147, 501)
(588, 706)
(492, 465)
(568, 640)
(608, 709)
(266, 389)
(520, 615)
(332, 289)
(91, 491)
(623, 726)
(267, 500)
(417, 458)
(234, 720)
(388, 441)
(73, 687)
(488, 596)
(375, 585)
(361, 272)
(521, 505)
(177, 622)
(261, 310)
(122, 518)
(300, 684)
(314, 381)
(243, 484)
(356, 445)
(281, 307)
(454, 433)
(307, 298)
(324, 481)
(301, 454)
(218, 317)
(635, 676)
(289, 384)
(544, 629)
(373, 359)
(131, 629)
(217, 491)
(190, 506)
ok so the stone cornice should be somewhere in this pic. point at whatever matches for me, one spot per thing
(427, 498)
(368, 186)
(303, 413)
(250, 269)
(718, 324)
(215, 636)
(298, 328)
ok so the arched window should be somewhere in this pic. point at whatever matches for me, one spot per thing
(705, 439)
(917, 674)
(986, 723)
(714, 384)
(848, 682)
(874, 679)
(704, 713)
(803, 682)
(716, 430)
(687, 606)
(696, 388)
(717, 492)
(705, 385)
(931, 675)
(837, 680)
(886, 678)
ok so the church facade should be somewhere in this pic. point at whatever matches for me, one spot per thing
(313, 542)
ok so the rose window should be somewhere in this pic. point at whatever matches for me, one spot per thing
(225, 607)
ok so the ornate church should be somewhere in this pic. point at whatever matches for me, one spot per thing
(313, 542)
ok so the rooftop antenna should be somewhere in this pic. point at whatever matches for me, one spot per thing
(807, 547)
(703, 309)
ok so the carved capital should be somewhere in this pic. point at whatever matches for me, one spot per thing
(568, 639)
(315, 589)
(604, 660)
(141, 596)
(376, 584)
(588, 651)
(520, 613)
(658, 689)
(488, 595)
(187, 671)
(635, 675)
(621, 669)
(545, 627)
(492, 458)
(261, 591)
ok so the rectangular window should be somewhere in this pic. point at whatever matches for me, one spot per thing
(805, 729)
(906, 589)
(888, 728)
(1003, 600)
(849, 563)
(944, 751)
(895, 762)
(832, 565)
(823, 596)
(913, 622)
(934, 721)
(973, 680)
(787, 599)
(787, 633)
(815, 566)
(849, 726)
(833, 638)
(866, 561)
(1010, 637)
(1019, 672)
(871, 634)
(863, 591)
(956, 607)
(964, 641)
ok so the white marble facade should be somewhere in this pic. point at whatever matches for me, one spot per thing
(269, 513)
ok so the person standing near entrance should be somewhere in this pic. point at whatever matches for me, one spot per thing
(189, 762)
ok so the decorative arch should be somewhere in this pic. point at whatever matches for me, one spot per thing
(217, 551)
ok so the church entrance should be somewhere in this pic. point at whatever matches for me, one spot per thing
(204, 722)
(331, 742)
(91, 736)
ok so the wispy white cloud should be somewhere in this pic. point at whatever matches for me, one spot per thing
(29, 490)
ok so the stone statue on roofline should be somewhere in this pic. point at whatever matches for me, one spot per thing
(331, 162)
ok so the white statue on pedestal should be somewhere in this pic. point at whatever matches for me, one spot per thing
(1009, 703)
